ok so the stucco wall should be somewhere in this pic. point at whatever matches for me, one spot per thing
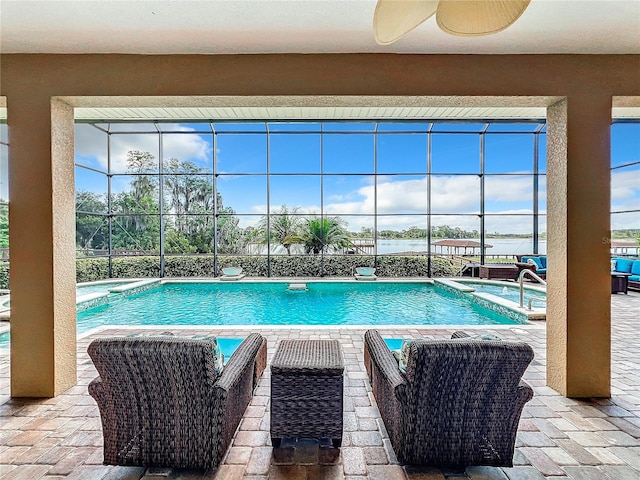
(41, 90)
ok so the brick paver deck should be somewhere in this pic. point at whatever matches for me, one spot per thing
(559, 438)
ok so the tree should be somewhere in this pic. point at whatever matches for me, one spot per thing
(283, 227)
(137, 224)
(230, 237)
(188, 211)
(187, 192)
(189, 197)
(91, 211)
(177, 242)
(320, 234)
(4, 224)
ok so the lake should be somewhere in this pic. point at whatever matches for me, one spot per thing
(500, 246)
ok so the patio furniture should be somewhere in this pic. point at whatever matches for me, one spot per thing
(499, 271)
(459, 402)
(630, 266)
(307, 391)
(538, 263)
(620, 282)
(471, 269)
(163, 405)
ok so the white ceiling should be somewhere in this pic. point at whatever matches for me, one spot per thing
(298, 26)
(275, 113)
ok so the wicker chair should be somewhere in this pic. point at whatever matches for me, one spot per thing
(162, 404)
(459, 402)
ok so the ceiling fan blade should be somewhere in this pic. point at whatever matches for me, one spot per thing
(478, 17)
(393, 19)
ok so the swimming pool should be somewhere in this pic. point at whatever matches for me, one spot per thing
(323, 303)
(272, 303)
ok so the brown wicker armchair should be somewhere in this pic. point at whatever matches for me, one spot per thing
(459, 402)
(162, 404)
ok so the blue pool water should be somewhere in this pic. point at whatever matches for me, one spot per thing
(509, 292)
(324, 303)
(272, 304)
(228, 346)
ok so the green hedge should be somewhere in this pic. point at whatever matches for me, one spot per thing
(90, 269)
(4, 275)
(396, 266)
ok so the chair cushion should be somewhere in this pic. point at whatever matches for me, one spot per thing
(150, 334)
(462, 335)
(537, 261)
(634, 278)
(543, 261)
(402, 355)
(403, 359)
(623, 265)
(635, 268)
(542, 270)
(613, 264)
(486, 336)
(218, 357)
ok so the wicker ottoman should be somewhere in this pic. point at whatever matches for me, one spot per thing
(307, 391)
(506, 271)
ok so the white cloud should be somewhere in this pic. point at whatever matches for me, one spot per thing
(306, 210)
(454, 194)
(508, 188)
(623, 221)
(625, 191)
(90, 143)
(187, 147)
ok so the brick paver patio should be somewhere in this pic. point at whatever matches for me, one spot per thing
(559, 438)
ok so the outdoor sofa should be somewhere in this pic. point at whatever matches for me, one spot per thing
(538, 262)
(163, 401)
(458, 403)
(628, 265)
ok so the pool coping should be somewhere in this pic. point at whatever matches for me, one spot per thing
(503, 306)
(250, 327)
(137, 285)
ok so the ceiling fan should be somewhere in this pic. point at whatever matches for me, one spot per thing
(393, 19)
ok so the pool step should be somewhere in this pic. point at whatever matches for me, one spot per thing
(366, 278)
(297, 287)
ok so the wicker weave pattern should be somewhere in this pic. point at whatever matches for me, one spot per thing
(459, 403)
(312, 355)
(161, 403)
(307, 390)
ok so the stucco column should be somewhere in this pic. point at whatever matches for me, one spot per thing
(578, 229)
(42, 239)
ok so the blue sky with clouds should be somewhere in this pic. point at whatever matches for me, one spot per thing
(348, 188)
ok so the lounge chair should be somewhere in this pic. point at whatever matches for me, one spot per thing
(459, 402)
(163, 404)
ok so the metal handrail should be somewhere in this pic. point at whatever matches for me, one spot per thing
(532, 299)
(532, 274)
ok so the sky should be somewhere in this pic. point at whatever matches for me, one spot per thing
(348, 188)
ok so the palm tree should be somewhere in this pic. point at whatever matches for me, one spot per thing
(284, 227)
(319, 234)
